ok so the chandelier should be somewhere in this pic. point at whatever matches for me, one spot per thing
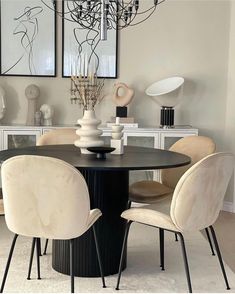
(108, 14)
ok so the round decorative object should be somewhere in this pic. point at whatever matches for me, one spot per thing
(89, 134)
(101, 151)
(32, 92)
(126, 98)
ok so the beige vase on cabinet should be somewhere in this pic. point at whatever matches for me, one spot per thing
(89, 134)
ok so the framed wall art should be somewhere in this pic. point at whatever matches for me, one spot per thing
(82, 47)
(28, 38)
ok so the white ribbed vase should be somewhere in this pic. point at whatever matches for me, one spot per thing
(89, 135)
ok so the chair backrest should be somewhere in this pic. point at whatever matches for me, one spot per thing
(58, 137)
(198, 196)
(44, 197)
(196, 147)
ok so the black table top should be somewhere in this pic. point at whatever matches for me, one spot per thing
(134, 158)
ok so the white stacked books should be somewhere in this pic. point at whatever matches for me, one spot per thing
(126, 125)
(127, 122)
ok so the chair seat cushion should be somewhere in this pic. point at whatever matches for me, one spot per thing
(148, 192)
(148, 216)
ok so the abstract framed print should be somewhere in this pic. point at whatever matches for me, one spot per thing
(28, 38)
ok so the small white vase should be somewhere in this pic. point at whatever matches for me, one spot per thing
(89, 134)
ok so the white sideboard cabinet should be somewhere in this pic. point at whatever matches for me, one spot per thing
(17, 136)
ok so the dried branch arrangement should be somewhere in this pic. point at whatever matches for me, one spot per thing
(86, 91)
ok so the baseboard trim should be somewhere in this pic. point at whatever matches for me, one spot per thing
(228, 206)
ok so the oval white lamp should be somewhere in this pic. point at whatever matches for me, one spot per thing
(166, 93)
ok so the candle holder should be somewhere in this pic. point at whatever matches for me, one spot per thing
(117, 138)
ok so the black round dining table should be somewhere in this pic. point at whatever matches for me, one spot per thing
(108, 184)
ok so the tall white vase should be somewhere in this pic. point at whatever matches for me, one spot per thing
(89, 135)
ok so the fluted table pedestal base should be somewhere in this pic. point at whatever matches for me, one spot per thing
(108, 192)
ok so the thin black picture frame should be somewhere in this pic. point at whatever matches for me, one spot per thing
(63, 47)
(55, 45)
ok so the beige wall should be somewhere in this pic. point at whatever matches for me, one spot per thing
(188, 38)
(230, 117)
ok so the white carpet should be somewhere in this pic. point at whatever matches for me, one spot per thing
(142, 274)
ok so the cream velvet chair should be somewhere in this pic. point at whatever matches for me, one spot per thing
(45, 197)
(58, 137)
(196, 203)
(149, 192)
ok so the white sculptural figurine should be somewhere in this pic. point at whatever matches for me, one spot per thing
(2, 102)
(32, 93)
(47, 114)
(117, 137)
(38, 118)
(126, 97)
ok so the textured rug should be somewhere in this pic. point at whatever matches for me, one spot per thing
(142, 274)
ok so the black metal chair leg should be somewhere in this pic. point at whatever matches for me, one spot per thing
(185, 262)
(8, 262)
(161, 238)
(31, 258)
(45, 248)
(122, 254)
(219, 256)
(39, 247)
(98, 256)
(38, 257)
(209, 240)
(72, 264)
(176, 238)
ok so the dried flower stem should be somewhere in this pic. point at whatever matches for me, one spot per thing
(86, 91)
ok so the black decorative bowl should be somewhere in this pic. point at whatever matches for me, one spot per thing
(101, 151)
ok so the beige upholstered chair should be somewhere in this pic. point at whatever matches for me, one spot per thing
(148, 192)
(196, 203)
(46, 197)
(58, 137)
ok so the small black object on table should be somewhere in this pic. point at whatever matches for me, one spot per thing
(108, 184)
(101, 151)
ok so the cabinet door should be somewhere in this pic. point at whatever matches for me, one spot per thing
(142, 140)
(19, 138)
(167, 139)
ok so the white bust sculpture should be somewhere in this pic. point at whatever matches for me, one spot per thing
(47, 114)
(2, 102)
(32, 93)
